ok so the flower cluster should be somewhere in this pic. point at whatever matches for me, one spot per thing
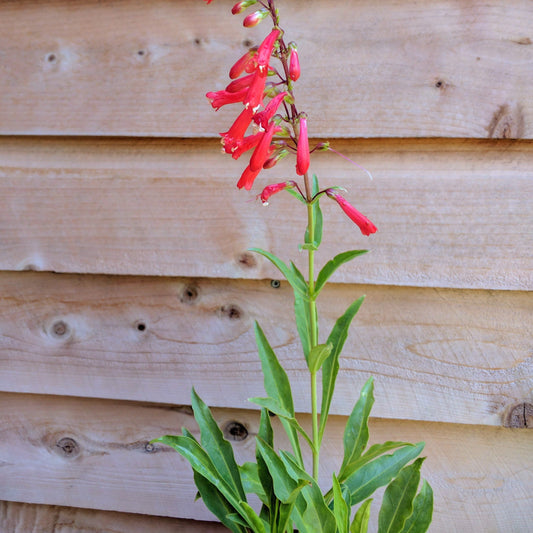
(274, 135)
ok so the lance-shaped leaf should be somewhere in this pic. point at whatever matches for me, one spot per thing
(253, 520)
(285, 487)
(365, 480)
(296, 282)
(422, 514)
(266, 433)
(302, 315)
(362, 517)
(214, 500)
(356, 431)
(330, 368)
(332, 265)
(217, 447)
(398, 498)
(277, 386)
(250, 480)
(341, 508)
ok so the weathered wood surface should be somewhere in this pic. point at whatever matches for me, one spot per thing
(444, 69)
(30, 518)
(453, 356)
(450, 214)
(94, 454)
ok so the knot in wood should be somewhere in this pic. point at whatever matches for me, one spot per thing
(520, 416)
(189, 294)
(235, 431)
(247, 260)
(68, 447)
(60, 329)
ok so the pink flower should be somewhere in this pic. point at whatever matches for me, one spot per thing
(269, 190)
(294, 65)
(364, 224)
(302, 152)
(221, 98)
(247, 178)
(263, 117)
(262, 150)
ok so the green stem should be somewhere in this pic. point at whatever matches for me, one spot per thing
(314, 337)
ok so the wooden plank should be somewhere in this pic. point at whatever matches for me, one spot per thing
(450, 214)
(447, 69)
(452, 356)
(481, 475)
(30, 518)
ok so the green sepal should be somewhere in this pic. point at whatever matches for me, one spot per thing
(330, 368)
(216, 446)
(362, 517)
(398, 498)
(318, 355)
(317, 219)
(332, 265)
(422, 514)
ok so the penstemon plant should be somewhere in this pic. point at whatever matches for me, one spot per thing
(289, 495)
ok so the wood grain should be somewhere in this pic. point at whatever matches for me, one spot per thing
(446, 69)
(449, 214)
(448, 355)
(30, 518)
(480, 475)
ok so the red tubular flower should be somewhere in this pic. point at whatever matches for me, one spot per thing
(247, 178)
(364, 224)
(235, 135)
(262, 151)
(240, 83)
(254, 95)
(263, 117)
(221, 98)
(294, 65)
(269, 190)
(265, 51)
(242, 64)
(249, 142)
(302, 152)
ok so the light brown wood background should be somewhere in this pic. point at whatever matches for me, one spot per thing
(118, 211)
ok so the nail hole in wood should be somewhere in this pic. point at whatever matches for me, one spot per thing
(141, 53)
(275, 284)
(60, 329)
(189, 294)
(141, 326)
(150, 448)
(235, 431)
(197, 41)
(51, 58)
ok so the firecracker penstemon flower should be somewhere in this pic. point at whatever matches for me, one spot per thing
(269, 127)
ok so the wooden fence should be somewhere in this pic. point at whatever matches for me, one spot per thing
(125, 277)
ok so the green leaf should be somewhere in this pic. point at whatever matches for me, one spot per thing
(398, 498)
(365, 480)
(317, 218)
(318, 355)
(266, 433)
(277, 385)
(251, 517)
(422, 514)
(330, 368)
(341, 509)
(289, 273)
(361, 518)
(356, 431)
(216, 503)
(285, 487)
(303, 323)
(332, 265)
(216, 446)
(274, 407)
(250, 480)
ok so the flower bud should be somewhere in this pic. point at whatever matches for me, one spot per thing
(243, 64)
(294, 65)
(269, 163)
(253, 19)
(239, 7)
(302, 151)
(269, 190)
